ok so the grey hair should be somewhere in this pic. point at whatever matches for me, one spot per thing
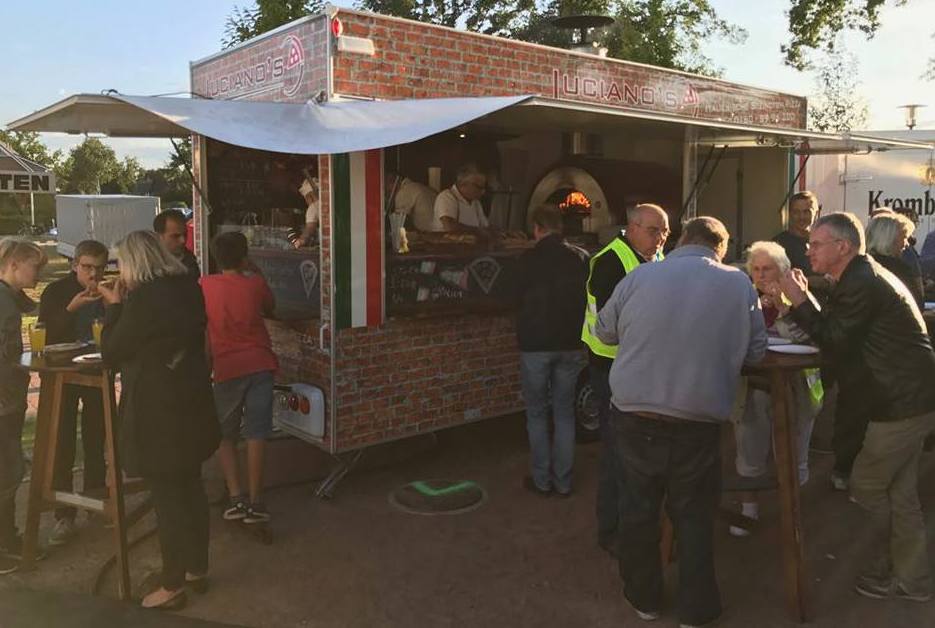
(142, 257)
(771, 249)
(468, 171)
(885, 230)
(637, 211)
(844, 226)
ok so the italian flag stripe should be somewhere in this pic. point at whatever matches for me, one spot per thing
(358, 238)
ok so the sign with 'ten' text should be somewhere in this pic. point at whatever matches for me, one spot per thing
(12, 182)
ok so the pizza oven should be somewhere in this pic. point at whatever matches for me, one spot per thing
(578, 196)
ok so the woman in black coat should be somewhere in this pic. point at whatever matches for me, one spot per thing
(154, 334)
(888, 236)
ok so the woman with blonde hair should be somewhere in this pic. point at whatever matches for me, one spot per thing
(888, 236)
(154, 334)
(20, 263)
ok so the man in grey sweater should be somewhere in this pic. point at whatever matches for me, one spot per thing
(685, 328)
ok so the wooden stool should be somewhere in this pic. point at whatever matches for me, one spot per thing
(42, 496)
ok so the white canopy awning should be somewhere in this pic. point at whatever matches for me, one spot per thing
(310, 128)
(347, 126)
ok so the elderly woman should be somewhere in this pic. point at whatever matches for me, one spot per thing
(766, 263)
(154, 334)
(888, 236)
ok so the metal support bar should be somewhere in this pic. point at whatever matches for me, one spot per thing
(798, 175)
(344, 465)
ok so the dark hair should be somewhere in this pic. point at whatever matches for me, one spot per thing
(706, 231)
(230, 249)
(805, 195)
(159, 222)
(91, 248)
(548, 217)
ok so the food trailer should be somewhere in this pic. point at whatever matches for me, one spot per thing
(405, 343)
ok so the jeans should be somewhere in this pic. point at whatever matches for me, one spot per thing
(678, 462)
(92, 442)
(549, 379)
(182, 518)
(11, 471)
(608, 496)
(885, 481)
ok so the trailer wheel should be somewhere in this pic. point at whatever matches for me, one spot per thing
(587, 421)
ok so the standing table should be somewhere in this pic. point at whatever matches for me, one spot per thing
(55, 374)
(780, 369)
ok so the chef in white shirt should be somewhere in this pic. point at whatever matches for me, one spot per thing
(309, 191)
(458, 208)
(418, 202)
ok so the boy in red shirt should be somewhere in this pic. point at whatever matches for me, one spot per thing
(236, 300)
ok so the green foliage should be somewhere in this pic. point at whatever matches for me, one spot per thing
(89, 166)
(491, 17)
(27, 144)
(838, 105)
(815, 24)
(265, 15)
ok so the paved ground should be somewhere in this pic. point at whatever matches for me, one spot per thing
(517, 561)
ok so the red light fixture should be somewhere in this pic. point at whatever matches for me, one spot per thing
(337, 27)
(304, 405)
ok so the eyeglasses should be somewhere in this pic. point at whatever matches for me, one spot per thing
(92, 267)
(654, 231)
(815, 244)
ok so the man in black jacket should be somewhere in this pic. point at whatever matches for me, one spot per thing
(69, 307)
(550, 289)
(172, 229)
(874, 333)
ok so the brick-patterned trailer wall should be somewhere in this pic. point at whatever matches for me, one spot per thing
(416, 60)
(419, 375)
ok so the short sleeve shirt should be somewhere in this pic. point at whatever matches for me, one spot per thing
(418, 201)
(240, 344)
(450, 203)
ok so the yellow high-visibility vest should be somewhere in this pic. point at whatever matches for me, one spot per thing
(630, 261)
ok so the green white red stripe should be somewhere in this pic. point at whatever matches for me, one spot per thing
(357, 219)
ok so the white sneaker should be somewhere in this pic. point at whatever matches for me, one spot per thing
(63, 532)
(840, 482)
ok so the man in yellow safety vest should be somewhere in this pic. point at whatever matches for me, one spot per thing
(642, 240)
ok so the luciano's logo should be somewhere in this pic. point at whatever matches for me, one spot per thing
(691, 96)
(281, 71)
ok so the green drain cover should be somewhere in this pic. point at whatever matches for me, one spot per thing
(438, 497)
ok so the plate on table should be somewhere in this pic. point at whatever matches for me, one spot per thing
(64, 347)
(87, 358)
(776, 340)
(929, 305)
(794, 349)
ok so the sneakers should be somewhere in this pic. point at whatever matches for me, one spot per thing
(874, 589)
(63, 532)
(8, 565)
(237, 509)
(256, 513)
(530, 485)
(644, 615)
(839, 481)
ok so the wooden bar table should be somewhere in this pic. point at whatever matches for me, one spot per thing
(780, 369)
(55, 375)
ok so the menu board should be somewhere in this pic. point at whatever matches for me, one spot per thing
(422, 281)
(294, 278)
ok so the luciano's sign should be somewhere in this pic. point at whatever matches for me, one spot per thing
(13, 182)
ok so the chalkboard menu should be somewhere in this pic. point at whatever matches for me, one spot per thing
(423, 281)
(293, 277)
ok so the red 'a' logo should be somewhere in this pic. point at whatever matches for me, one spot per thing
(691, 96)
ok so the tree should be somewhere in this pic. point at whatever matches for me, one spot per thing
(265, 15)
(492, 17)
(838, 105)
(125, 178)
(815, 24)
(27, 144)
(89, 165)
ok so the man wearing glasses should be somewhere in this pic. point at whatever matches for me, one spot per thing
(459, 208)
(641, 242)
(875, 335)
(68, 308)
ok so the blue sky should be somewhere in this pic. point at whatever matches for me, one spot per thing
(52, 48)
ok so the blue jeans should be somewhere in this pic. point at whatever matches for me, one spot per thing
(549, 379)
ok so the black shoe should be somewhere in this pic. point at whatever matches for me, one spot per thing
(530, 485)
(199, 585)
(13, 548)
(256, 513)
